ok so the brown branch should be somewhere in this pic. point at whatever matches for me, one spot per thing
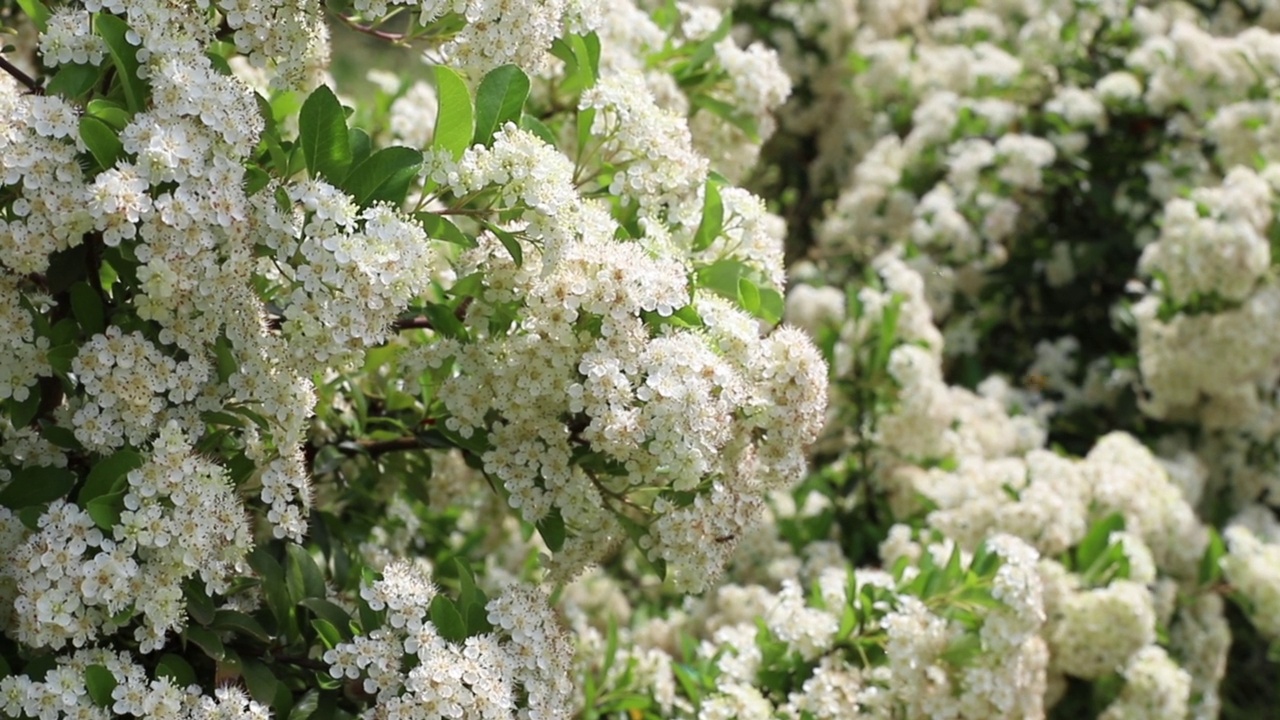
(302, 662)
(375, 448)
(420, 322)
(20, 76)
(371, 31)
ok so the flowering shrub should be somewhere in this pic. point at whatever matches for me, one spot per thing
(803, 359)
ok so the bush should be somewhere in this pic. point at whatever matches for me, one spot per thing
(463, 388)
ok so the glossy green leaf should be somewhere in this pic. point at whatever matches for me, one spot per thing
(455, 120)
(199, 604)
(108, 112)
(22, 412)
(206, 640)
(1211, 561)
(259, 680)
(772, 305)
(1095, 542)
(581, 56)
(444, 321)
(447, 619)
(275, 591)
(124, 56)
(439, 227)
(537, 127)
(239, 623)
(328, 633)
(721, 277)
(331, 613)
(385, 176)
(177, 669)
(499, 100)
(36, 485)
(86, 304)
(749, 296)
(728, 112)
(99, 681)
(105, 510)
(73, 80)
(37, 11)
(552, 530)
(322, 135)
(304, 578)
(712, 217)
(361, 145)
(509, 241)
(306, 707)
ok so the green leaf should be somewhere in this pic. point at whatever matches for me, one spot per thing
(206, 640)
(255, 178)
(586, 118)
(177, 669)
(259, 680)
(690, 680)
(721, 277)
(439, 227)
(537, 127)
(108, 112)
(36, 485)
(124, 56)
(322, 135)
(22, 412)
(331, 613)
(447, 619)
(478, 620)
(239, 623)
(563, 50)
(86, 304)
(444, 321)
(1211, 561)
(199, 604)
(712, 217)
(361, 145)
(455, 121)
(304, 577)
(1095, 542)
(72, 81)
(749, 296)
(509, 241)
(581, 56)
(328, 633)
(705, 50)
(963, 649)
(273, 588)
(385, 176)
(99, 681)
(37, 11)
(62, 437)
(105, 510)
(499, 100)
(552, 530)
(306, 707)
(729, 113)
(772, 305)
(468, 593)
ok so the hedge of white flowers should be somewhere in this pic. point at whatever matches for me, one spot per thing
(635, 359)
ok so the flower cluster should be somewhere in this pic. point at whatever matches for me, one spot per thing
(415, 672)
(79, 576)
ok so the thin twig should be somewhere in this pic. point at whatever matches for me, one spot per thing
(20, 76)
